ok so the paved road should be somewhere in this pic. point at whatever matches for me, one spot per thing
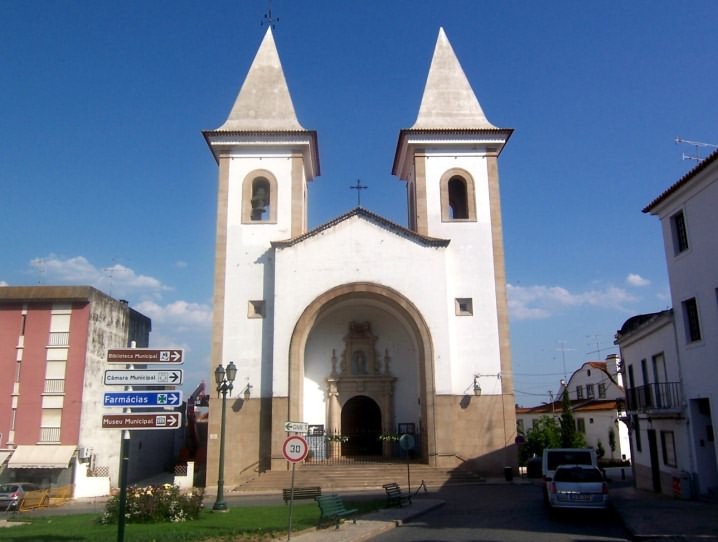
(497, 513)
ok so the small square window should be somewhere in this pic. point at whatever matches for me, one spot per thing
(464, 306)
(255, 309)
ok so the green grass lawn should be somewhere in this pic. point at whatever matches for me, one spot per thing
(252, 523)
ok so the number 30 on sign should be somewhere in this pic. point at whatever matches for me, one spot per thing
(295, 449)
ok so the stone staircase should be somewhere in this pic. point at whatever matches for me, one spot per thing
(364, 476)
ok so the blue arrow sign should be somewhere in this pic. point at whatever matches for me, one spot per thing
(128, 399)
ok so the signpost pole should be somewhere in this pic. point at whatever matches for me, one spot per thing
(294, 450)
(124, 463)
(124, 467)
(291, 505)
(406, 443)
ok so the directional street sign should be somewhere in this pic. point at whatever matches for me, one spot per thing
(296, 427)
(295, 449)
(142, 398)
(145, 420)
(143, 377)
(146, 355)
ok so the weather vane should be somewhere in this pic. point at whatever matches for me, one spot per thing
(358, 187)
(269, 18)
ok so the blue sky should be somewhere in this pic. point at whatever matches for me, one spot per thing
(105, 178)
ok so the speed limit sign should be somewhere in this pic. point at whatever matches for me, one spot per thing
(295, 449)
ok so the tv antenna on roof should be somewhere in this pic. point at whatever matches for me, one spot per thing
(269, 19)
(563, 349)
(598, 348)
(698, 145)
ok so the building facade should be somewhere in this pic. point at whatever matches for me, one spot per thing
(596, 394)
(53, 344)
(361, 327)
(670, 355)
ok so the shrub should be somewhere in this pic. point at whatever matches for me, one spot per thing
(158, 503)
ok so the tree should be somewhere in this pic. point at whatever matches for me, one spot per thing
(570, 438)
(612, 441)
(545, 433)
(600, 450)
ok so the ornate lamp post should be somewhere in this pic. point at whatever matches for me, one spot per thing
(224, 381)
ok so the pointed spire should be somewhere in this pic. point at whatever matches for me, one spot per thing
(263, 102)
(449, 101)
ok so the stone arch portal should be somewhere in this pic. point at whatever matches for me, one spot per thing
(404, 313)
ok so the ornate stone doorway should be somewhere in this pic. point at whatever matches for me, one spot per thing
(361, 424)
(360, 390)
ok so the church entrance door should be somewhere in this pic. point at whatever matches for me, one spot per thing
(361, 423)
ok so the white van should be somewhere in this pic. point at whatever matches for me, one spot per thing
(553, 457)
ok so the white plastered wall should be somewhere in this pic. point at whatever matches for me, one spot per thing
(356, 250)
(474, 344)
(250, 271)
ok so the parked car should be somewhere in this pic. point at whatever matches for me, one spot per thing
(13, 493)
(553, 457)
(577, 486)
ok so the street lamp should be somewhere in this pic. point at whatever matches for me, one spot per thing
(224, 381)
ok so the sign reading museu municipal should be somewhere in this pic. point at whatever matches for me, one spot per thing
(145, 420)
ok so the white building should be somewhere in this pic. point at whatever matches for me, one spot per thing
(596, 395)
(670, 356)
(361, 326)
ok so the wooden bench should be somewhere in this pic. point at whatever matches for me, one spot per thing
(332, 509)
(35, 499)
(394, 496)
(301, 493)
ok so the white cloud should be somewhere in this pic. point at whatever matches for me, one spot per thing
(177, 323)
(635, 279)
(178, 314)
(3, 283)
(116, 280)
(540, 302)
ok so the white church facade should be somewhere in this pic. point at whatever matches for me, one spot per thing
(361, 327)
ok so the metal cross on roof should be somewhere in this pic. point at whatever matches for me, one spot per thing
(358, 187)
(269, 19)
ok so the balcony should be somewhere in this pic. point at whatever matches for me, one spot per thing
(49, 434)
(657, 398)
(59, 338)
(54, 385)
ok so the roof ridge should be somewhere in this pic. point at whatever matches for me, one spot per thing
(360, 211)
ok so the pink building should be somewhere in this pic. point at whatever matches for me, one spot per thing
(53, 344)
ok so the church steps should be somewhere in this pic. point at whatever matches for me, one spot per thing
(356, 477)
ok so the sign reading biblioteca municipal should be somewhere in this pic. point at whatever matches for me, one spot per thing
(146, 355)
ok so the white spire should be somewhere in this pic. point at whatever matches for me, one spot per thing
(263, 102)
(449, 101)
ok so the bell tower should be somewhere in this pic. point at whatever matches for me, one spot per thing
(449, 160)
(266, 160)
